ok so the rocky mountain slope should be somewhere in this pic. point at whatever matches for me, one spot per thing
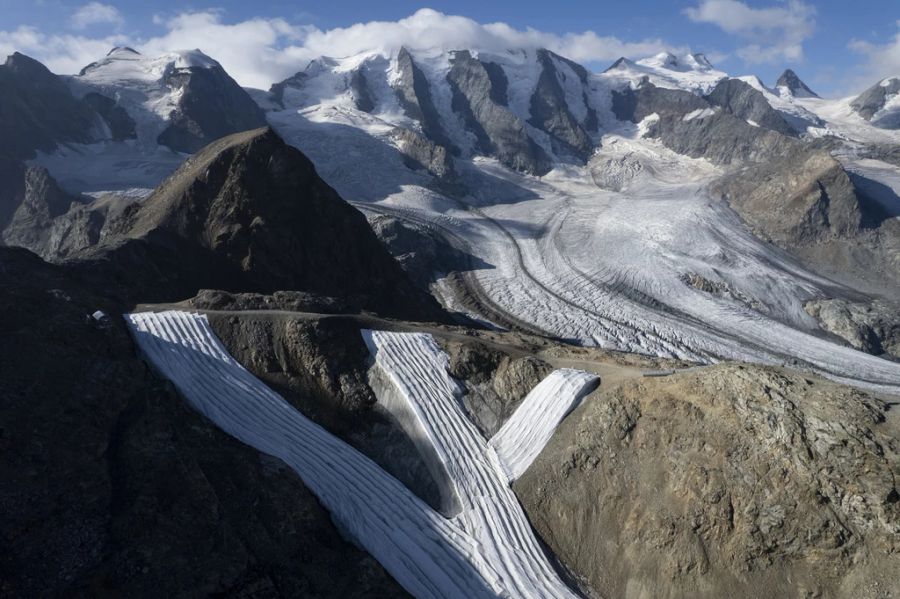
(732, 480)
(248, 213)
(660, 207)
(789, 83)
(787, 162)
(182, 100)
(38, 112)
(115, 487)
(879, 104)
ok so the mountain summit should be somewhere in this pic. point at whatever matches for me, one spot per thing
(794, 85)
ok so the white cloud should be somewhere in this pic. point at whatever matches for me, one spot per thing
(60, 53)
(258, 52)
(882, 60)
(428, 29)
(95, 13)
(773, 34)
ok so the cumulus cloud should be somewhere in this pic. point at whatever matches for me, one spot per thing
(260, 51)
(428, 29)
(772, 34)
(882, 60)
(95, 13)
(60, 53)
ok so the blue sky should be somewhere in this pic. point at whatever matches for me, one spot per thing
(837, 47)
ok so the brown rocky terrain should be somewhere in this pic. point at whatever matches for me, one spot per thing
(870, 327)
(725, 481)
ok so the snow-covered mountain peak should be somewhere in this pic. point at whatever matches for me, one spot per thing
(692, 72)
(699, 60)
(126, 64)
(789, 84)
(122, 51)
(890, 81)
(686, 63)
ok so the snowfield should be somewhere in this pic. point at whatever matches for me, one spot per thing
(487, 550)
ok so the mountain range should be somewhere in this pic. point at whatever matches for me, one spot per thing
(723, 254)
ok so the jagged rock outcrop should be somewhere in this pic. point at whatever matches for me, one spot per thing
(359, 88)
(692, 126)
(740, 99)
(495, 382)
(870, 327)
(250, 213)
(498, 131)
(731, 480)
(414, 94)
(787, 191)
(870, 104)
(420, 153)
(121, 125)
(49, 221)
(211, 105)
(37, 110)
(794, 85)
(321, 368)
(113, 485)
(550, 111)
(41, 201)
(803, 197)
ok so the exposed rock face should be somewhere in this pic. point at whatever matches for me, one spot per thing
(121, 125)
(420, 152)
(422, 253)
(872, 101)
(277, 90)
(550, 112)
(792, 83)
(320, 367)
(211, 105)
(873, 328)
(885, 152)
(803, 197)
(740, 99)
(728, 481)
(637, 104)
(721, 289)
(414, 93)
(692, 126)
(497, 130)
(787, 191)
(359, 88)
(495, 382)
(112, 485)
(41, 202)
(37, 110)
(292, 301)
(12, 188)
(249, 213)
